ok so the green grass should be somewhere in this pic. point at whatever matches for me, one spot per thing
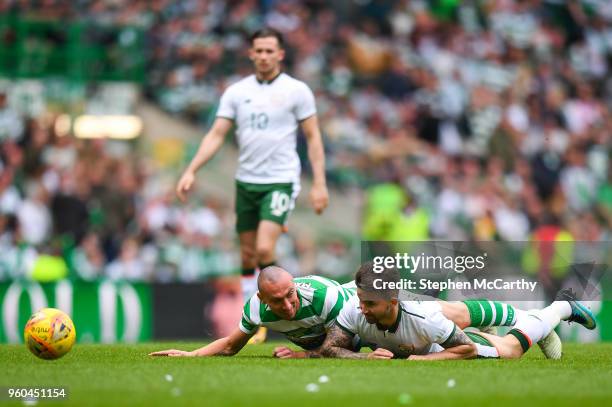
(111, 375)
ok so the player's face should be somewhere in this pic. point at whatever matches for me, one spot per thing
(373, 309)
(282, 300)
(266, 55)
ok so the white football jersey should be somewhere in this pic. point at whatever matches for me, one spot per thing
(419, 329)
(266, 115)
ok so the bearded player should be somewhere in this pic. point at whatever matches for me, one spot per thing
(419, 330)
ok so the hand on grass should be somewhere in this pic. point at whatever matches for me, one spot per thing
(381, 353)
(172, 352)
(283, 352)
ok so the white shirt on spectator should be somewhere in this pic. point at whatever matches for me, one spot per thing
(9, 200)
(133, 270)
(512, 224)
(11, 125)
(35, 221)
(17, 261)
(203, 221)
(579, 187)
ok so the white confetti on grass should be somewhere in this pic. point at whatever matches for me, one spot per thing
(312, 387)
(324, 379)
(169, 378)
(404, 398)
(451, 383)
(176, 392)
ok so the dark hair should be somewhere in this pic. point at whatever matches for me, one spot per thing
(268, 32)
(366, 277)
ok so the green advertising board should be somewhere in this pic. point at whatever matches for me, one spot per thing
(104, 311)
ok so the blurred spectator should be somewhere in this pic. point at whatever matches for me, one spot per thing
(69, 208)
(491, 116)
(18, 257)
(333, 260)
(34, 215)
(10, 198)
(87, 260)
(11, 125)
(129, 264)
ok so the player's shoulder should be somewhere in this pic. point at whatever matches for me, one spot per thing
(311, 288)
(252, 305)
(425, 318)
(316, 282)
(423, 310)
(241, 83)
(288, 80)
(351, 306)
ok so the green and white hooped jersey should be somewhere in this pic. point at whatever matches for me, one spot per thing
(321, 299)
(267, 115)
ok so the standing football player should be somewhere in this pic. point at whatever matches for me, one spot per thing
(267, 108)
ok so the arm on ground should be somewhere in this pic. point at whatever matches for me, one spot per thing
(227, 346)
(338, 345)
(457, 346)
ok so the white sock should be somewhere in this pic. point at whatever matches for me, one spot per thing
(535, 325)
(249, 286)
(562, 308)
(519, 314)
(486, 351)
(554, 313)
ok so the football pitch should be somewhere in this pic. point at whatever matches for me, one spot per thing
(112, 375)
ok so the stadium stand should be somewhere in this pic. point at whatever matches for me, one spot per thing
(449, 120)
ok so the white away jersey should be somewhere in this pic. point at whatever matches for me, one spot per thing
(267, 115)
(419, 329)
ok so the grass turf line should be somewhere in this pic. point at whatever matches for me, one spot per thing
(103, 375)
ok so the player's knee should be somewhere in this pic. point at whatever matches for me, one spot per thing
(514, 352)
(509, 348)
(456, 312)
(248, 261)
(247, 254)
(265, 253)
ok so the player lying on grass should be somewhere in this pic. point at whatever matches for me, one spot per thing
(303, 309)
(419, 330)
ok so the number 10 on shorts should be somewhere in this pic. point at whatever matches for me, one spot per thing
(280, 203)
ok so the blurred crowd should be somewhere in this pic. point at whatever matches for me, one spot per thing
(88, 208)
(102, 208)
(484, 120)
(492, 116)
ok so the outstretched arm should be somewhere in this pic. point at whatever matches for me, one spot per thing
(457, 346)
(338, 345)
(227, 346)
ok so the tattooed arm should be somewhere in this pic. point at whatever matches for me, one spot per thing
(457, 346)
(338, 345)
